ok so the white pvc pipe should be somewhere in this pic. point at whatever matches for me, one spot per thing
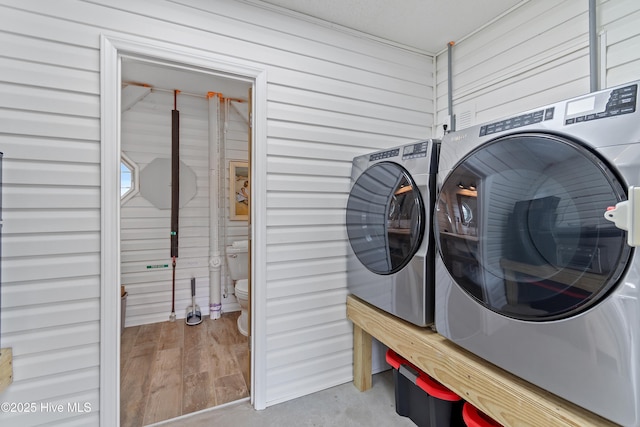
(223, 187)
(452, 117)
(593, 46)
(215, 260)
(603, 59)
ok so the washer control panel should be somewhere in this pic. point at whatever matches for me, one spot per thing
(518, 121)
(602, 104)
(599, 105)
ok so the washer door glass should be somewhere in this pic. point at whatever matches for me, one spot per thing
(520, 227)
(385, 218)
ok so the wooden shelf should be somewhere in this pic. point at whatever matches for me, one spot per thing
(506, 398)
(6, 368)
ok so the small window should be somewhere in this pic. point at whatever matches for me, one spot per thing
(128, 178)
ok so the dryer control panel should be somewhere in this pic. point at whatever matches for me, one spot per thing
(384, 154)
(410, 151)
(602, 104)
(419, 149)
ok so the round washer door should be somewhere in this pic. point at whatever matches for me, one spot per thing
(385, 218)
(520, 228)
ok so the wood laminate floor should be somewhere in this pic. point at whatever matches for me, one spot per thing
(170, 369)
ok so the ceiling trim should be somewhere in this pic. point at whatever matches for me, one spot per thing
(321, 22)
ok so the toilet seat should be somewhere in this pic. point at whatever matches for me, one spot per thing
(242, 288)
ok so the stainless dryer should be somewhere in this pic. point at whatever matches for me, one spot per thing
(530, 275)
(391, 254)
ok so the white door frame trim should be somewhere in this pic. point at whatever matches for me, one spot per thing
(113, 47)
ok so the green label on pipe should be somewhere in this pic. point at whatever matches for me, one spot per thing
(158, 266)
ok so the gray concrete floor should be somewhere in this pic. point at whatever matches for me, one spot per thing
(342, 406)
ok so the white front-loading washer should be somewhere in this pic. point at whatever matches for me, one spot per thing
(391, 254)
(530, 275)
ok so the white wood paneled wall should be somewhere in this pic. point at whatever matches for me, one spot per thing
(331, 96)
(536, 55)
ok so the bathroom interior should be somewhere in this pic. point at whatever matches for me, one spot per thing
(171, 367)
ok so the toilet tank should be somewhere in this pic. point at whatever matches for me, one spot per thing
(238, 260)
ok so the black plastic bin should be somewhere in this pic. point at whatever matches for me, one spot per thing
(476, 418)
(421, 398)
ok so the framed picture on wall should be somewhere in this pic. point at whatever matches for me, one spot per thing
(239, 191)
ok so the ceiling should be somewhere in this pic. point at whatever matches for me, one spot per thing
(425, 25)
(187, 81)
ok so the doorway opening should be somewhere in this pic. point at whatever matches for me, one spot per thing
(169, 369)
(119, 59)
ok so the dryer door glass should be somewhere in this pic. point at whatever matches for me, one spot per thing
(520, 227)
(385, 218)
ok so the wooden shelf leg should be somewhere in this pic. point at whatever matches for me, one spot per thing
(361, 358)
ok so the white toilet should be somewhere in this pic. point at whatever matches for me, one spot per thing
(238, 263)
